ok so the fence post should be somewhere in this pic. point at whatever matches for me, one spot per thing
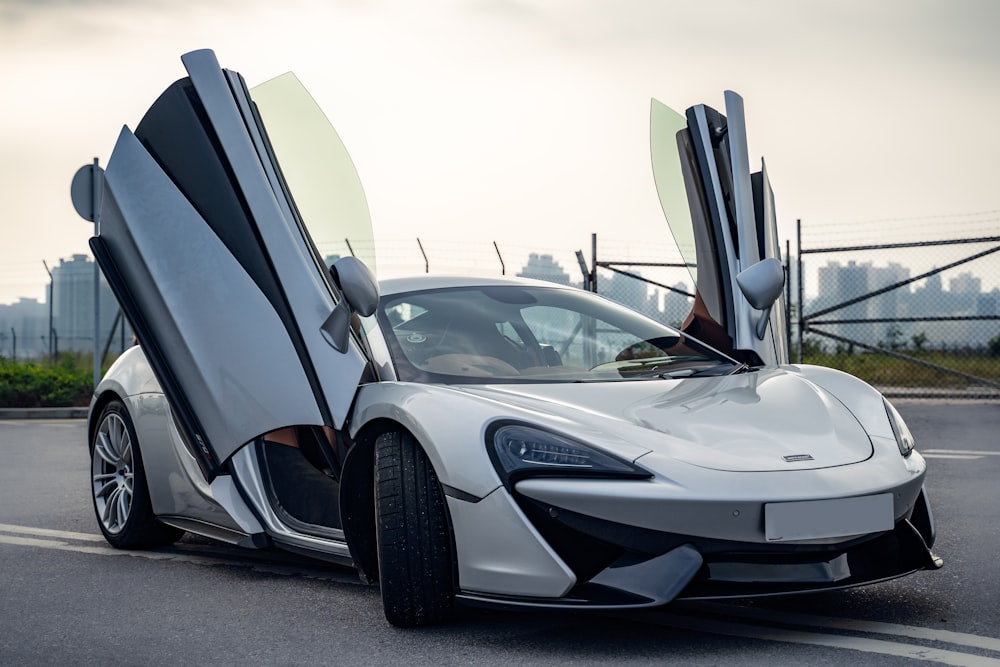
(788, 296)
(798, 259)
(583, 269)
(427, 264)
(593, 266)
(503, 267)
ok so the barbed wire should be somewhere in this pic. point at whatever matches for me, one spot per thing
(885, 230)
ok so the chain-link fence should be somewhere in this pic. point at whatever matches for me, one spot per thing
(912, 306)
(47, 309)
(915, 317)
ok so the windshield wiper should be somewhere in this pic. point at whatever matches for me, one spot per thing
(714, 370)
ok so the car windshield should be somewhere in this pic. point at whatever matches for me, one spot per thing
(513, 333)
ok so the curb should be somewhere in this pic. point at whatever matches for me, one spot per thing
(43, 413)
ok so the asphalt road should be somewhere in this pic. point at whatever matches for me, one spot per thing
(67, 598)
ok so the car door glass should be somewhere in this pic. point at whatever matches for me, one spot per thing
(666, 149)
(318, 170)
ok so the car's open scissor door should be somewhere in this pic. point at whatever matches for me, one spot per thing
(207, 251)
(722, 219)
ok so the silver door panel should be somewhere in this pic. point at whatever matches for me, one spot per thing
(224, 341)
(307, 291)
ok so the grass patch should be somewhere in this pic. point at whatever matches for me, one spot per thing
(880, 369)
(28, 384)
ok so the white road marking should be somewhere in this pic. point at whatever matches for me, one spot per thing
(103, 550)
(67, 538)
(961, 457)
(864, 644)
(976, 452)
(854, 625)
(47, 532)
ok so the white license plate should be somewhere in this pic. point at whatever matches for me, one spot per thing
(818, 519)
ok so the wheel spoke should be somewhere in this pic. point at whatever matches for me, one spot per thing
(114, 435)
(105, 449)
(106, 489)
(108, 517)
(124, 504)
(125, 457)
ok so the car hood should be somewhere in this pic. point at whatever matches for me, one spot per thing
(764, 420)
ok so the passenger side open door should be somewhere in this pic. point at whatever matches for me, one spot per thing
(722, 219)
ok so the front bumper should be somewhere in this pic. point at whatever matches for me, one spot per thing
(602, 564)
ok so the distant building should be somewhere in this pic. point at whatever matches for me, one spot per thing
(988, 304)
(544, 267)
(73, 306)
(22, 329)
(965, 283)
(676, 306)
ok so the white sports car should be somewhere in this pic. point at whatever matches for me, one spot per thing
(481, 441)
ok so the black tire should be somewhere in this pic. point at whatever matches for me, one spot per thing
(415, 552)
(118, 485)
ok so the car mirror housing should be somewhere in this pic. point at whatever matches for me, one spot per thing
(761, 284)
(359, 289)
(357, 283)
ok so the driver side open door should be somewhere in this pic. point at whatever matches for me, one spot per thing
(208, 253)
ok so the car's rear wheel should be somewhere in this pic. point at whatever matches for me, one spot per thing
(118, 485)
(415, 550)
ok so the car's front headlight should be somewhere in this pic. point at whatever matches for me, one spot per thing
(519, 450)
(903, 436)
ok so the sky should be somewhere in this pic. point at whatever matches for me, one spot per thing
(525, 122)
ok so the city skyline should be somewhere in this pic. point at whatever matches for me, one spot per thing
(31, 322)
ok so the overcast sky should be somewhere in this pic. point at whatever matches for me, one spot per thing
(526, 122)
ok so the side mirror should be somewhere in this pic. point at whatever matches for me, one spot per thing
(359, 288)
(761, 284)
(357, 283)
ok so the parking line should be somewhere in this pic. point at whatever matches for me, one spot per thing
(48, 532)
(63, 541)
(975, 452)
(867, 645)
(960, 457)
(854, 625)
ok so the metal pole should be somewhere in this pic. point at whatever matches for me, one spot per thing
(583, 269)
(13, 343)
(503, 267)
(593, 268)
(798, 237)
(51, 356)
(427, 264)
(95, 196)
(788, 294)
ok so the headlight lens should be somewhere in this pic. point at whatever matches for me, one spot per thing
(903, 436)
(518, 450)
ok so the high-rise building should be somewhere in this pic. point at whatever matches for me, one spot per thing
(544, 267)
(23, 329)
(73, 306)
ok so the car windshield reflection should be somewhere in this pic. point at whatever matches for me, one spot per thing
(514, 333)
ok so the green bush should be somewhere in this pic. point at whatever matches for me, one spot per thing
(26, 384)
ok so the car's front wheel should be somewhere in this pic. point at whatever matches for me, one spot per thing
(415, 552)
(118, 485)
